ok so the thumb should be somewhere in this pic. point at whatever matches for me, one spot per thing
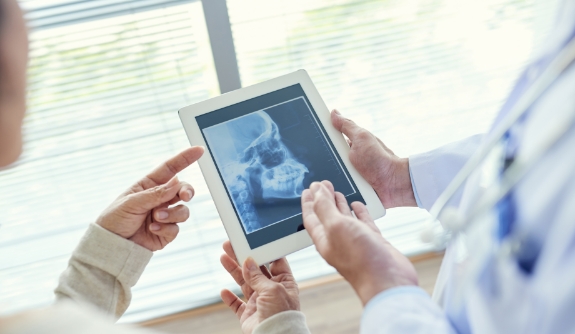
(254, 276)
(148, 199)
(324, 204)
(344, 125)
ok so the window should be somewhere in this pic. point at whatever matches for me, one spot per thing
(418, 74)
(107, 77)
(103, 96)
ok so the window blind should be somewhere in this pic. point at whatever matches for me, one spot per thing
(418, 74)
(103, 101)
(57, 13)
(106, 79)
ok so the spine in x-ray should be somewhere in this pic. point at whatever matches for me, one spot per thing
(243, 201)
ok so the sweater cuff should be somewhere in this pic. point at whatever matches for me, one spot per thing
(113, 254)
(287, 322)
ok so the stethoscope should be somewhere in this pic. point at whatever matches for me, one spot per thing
(447, 221)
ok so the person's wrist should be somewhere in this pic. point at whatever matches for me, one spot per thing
(395, 189)
(369, 285)
(111, 230)
(404, 186)
(117, 230)
(105, 224)
(277, 310)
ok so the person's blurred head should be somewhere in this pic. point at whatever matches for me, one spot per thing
(13, 64)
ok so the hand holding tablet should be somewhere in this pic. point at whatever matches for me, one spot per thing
(265, 144)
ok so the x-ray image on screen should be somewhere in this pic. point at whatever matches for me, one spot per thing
(266, 159)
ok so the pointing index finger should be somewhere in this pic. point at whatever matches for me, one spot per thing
(173, 166)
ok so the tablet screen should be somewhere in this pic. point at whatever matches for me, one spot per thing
(267, 151)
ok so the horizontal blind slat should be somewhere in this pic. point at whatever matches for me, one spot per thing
(386, 73)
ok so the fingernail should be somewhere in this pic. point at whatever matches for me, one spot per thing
(162, 214)
(155, 227)
(190, 193)
(251, 264)
(337, 112)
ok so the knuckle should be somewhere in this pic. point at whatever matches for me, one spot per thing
(122, 201)
(173, 231)
(235, 305)
(347, 125)
(238, 276)
(184, 218)
(277, 289)
(184, 210)
(348, 122)
(171, 167)
(338, 227)
(295, 285)
(246, 291)
(158, 191)
(363, 135)
(330, 257)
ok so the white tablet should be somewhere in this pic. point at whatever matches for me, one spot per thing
(265, 144)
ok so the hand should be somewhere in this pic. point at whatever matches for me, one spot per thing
(384, 171)
(268, 292)
(143, 214)
(355, 247)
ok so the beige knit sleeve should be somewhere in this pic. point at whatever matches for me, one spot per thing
(65, 317)
(287, 322)
(102, 270)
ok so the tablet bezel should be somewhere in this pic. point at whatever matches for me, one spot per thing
(296, 241)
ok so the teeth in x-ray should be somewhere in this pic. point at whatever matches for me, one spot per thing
(284, 181)
(263, 169)
(282, 176)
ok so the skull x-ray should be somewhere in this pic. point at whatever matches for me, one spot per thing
(267, 157)
(255, 164)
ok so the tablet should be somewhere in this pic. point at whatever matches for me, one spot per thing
(264, 145)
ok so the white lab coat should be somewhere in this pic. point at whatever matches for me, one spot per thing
(497, 296)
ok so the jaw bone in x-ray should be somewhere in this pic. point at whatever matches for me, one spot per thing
(264, 170)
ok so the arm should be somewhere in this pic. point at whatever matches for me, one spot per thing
(384, 279)
(102, 270)
(285, 322)
(398, 310)
(432, 171)
(416, 181)
(65, 317)
(114, 252)
(404, 310)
